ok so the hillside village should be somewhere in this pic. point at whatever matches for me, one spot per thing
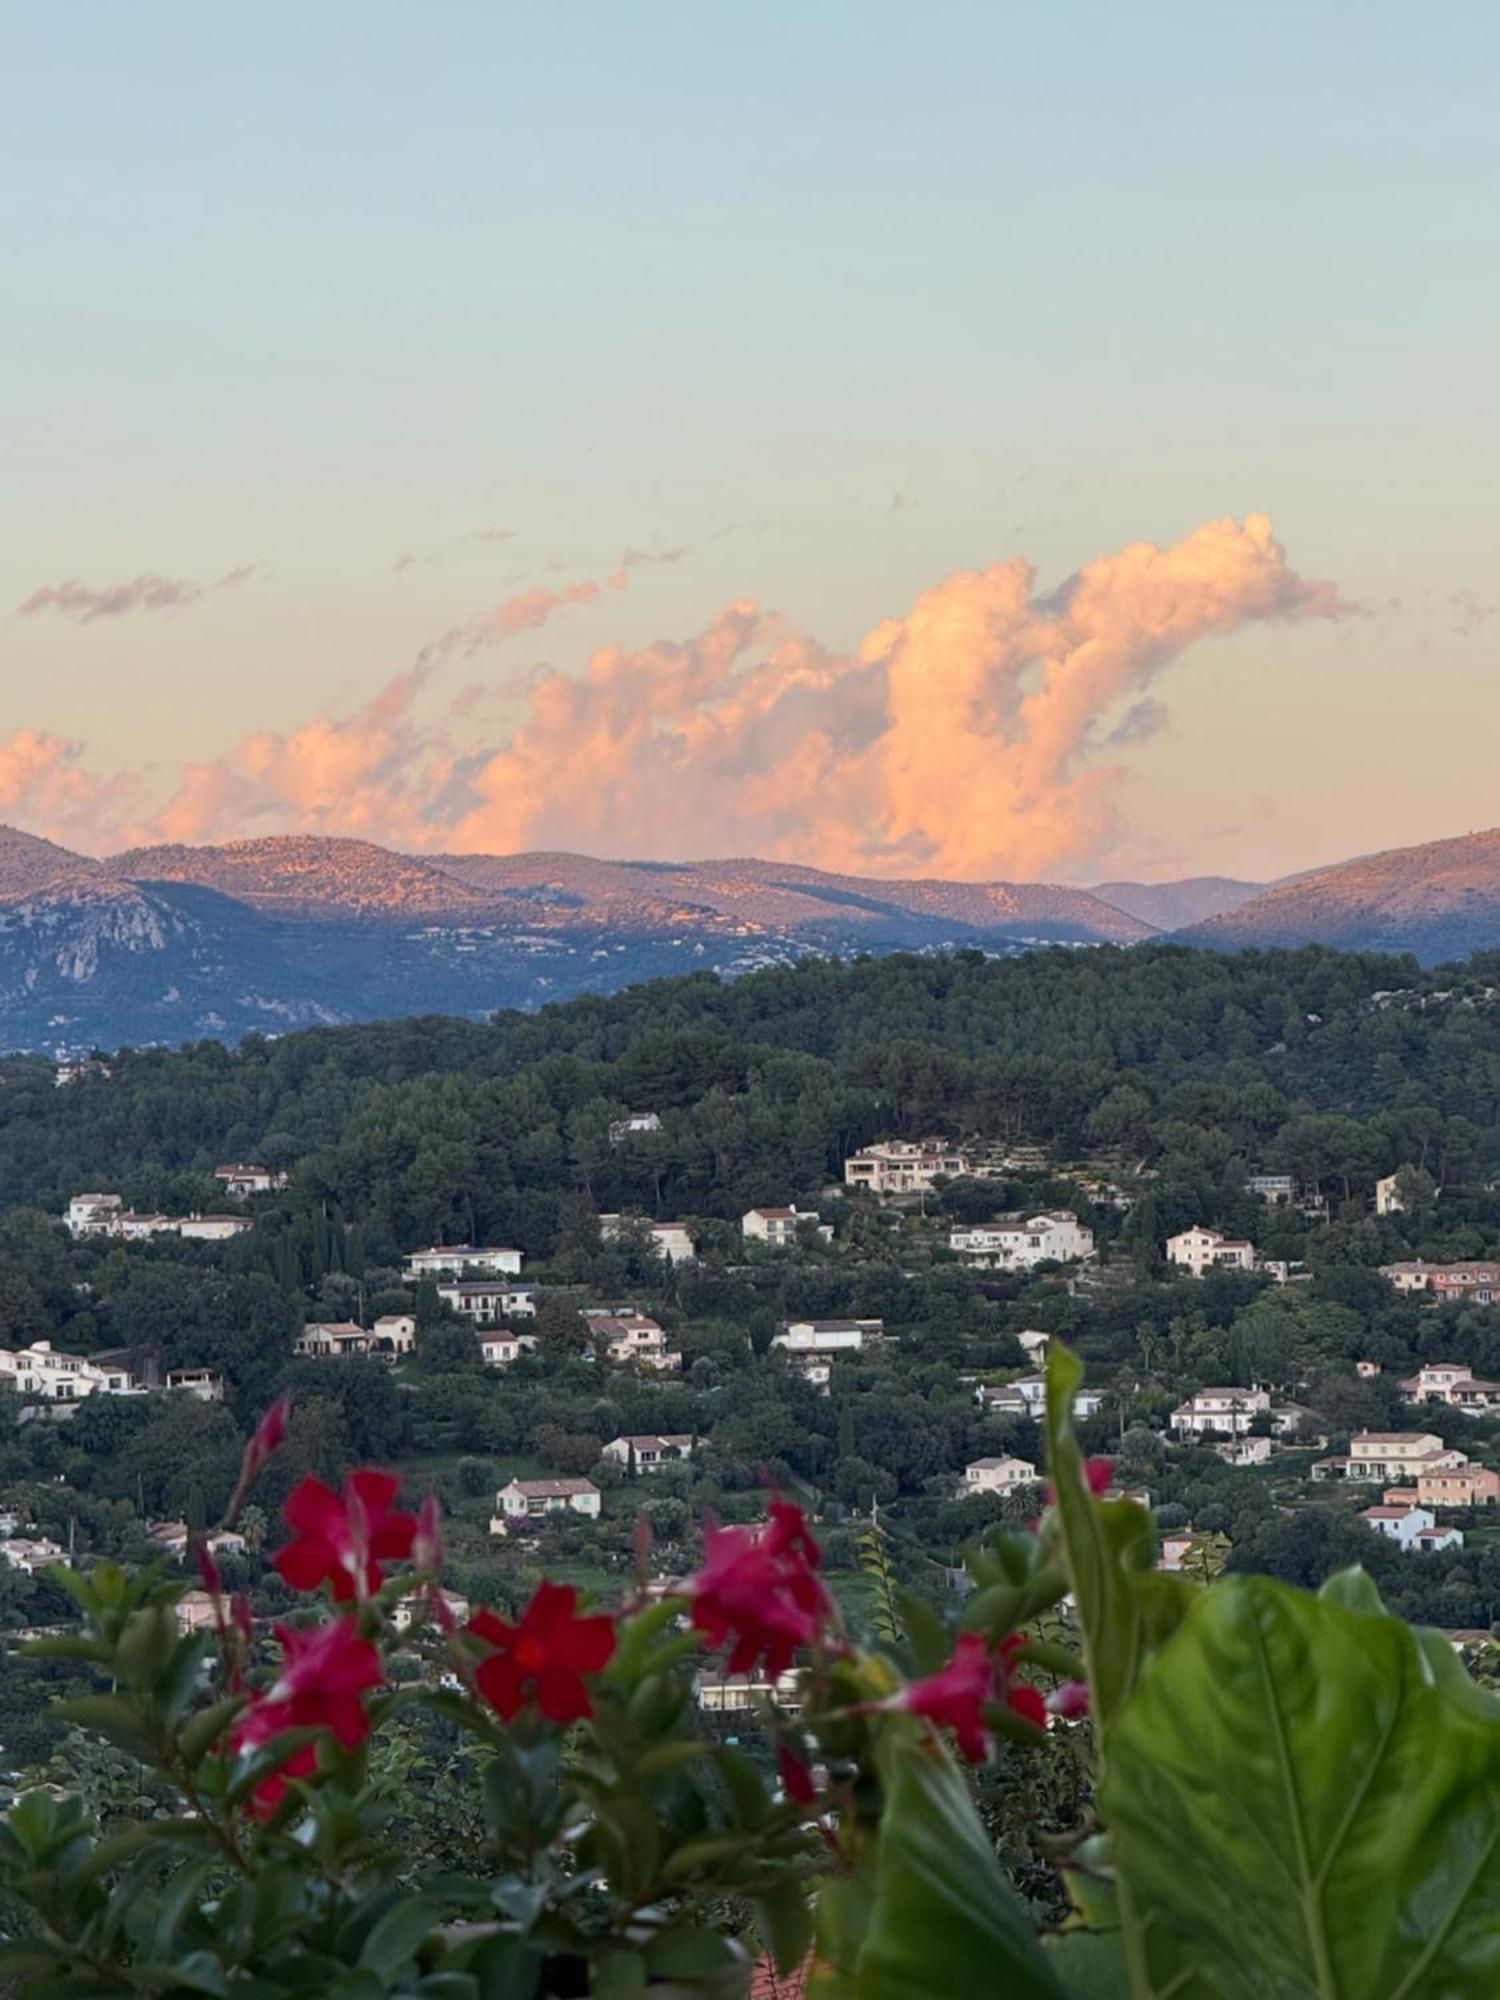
(871, 1334)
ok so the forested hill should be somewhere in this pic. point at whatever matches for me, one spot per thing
(433, 1129)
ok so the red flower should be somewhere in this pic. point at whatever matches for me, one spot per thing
(762, 1587)
(977, 1677)
(545, 1657)
(208, 1569)
(270, 1433)
(344, 1537)
(1098, 1473)
(797, 1780)
(326, 1672)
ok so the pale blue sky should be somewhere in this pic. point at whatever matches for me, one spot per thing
(317, 285)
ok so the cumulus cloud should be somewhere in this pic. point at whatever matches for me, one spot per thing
(84, 604)
(367, 773)
(378, 773)
(961, 739)
(45, 787)
(975, 735)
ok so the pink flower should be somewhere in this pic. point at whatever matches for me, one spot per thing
(544, 1657)
(343, 1538)
(325, 1675)
(761, 1588)
(977, 1677)
(208, 1569)
(1070, 1701)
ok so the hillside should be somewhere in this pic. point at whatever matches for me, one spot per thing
(298, 875)
(1439, 901)
(27, 862)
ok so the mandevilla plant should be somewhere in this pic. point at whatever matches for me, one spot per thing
(1296, 1795)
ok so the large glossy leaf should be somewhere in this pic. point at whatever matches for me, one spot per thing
(1302, 1812)
(1109, 1547)
(942, 1922)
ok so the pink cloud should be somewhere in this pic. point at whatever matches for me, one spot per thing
(975, 735)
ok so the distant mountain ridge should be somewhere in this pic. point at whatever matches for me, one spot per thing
(1437, 901)
(162, 944)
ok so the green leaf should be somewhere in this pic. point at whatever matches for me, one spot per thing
(701, 1856)
(943, 1923)
(1444, 1670)
(112, 1716)
(22, 1955)
(203, 1730)
(926, 1633)
(1092, 1962)
(785, 1923)
(1354, 1590)
(1295, 1806)
(619, 1975)
(201, 1972)
(398, 1936)
(1109, 1545)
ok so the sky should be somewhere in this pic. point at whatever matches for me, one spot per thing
(1047, 443)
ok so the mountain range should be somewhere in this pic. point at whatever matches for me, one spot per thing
(165, 944)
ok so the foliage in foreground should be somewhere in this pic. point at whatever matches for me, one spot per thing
(1297, 1795)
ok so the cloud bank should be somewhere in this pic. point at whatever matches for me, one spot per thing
(976, 735)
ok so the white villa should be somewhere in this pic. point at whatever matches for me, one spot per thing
(211, 1228)
(454, 1259)
(1386, 1456)
(499, 1350)
(648, 1453)
(904, 1166)
(242, 1181)
(486, 1300)
(43, 1373)
(396, 1332)
(672, 1239)
(203, 1383)
(1231, 1411)
(632, 1336)
(633, 1123)
(1020, 1243)
(1199, 1251)
(93, 1214)
(998, 1475)
(1450, 1382)
(775, 1227)
(338, 1340)
(535, 1499)
(1411, 1528)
